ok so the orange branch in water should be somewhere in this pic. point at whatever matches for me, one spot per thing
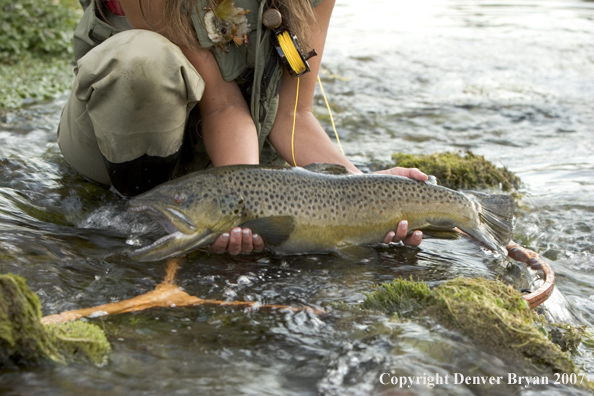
(166, 295)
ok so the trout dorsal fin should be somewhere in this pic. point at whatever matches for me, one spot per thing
(328, 169)
(274, 230)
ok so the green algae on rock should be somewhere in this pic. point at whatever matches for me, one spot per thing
(490, 313)
(24, 341)
(568, 337)
(457, 171)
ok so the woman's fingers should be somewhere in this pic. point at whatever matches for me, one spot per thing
(235, 241)
(414, 240)
(244, 241)
(247, 245)
(412, 173)
(401, 235)
(258, 243)
(221, 243)
(238, 241)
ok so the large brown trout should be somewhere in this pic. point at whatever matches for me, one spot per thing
(320, 208)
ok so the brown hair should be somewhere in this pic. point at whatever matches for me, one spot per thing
(298, 17)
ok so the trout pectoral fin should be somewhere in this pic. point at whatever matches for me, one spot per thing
(358, 254)
(273, 230)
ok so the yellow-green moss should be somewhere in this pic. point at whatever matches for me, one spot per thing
(24, 341)
(399, 297)
(22, 338)
(490, 313)
(79, 341)
(457, 171)
(566, 336)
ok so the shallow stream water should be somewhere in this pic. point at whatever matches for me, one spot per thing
(511, 81)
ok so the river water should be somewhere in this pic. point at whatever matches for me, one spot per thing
(513, 81)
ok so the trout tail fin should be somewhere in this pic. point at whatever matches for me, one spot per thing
(495, 212)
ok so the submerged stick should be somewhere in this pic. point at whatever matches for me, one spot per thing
(166, 295)
(535, 262)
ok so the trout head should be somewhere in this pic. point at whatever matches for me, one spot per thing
(193, 210)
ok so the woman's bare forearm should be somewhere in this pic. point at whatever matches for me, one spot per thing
(229, 136)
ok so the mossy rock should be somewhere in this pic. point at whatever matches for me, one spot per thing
(568, 337)
(24, 341)
(457, 171)
(400, 297)
(493, 315)
(22, 338)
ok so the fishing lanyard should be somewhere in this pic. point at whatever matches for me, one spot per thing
(296, 64)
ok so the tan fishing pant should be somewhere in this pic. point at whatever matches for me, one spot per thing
(132, 95)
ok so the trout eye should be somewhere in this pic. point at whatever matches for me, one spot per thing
(179, 198)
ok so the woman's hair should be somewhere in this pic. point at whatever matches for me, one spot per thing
(298, 17)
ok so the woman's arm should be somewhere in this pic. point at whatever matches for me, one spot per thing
(228, 130)
(312, 144)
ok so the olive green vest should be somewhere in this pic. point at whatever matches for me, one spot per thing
(255, 65)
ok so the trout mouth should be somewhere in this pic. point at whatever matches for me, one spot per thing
(180, 232)
(172, 220)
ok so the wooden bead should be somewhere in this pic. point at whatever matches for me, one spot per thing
(272, 18)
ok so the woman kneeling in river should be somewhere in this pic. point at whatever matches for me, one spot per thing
(163, 87)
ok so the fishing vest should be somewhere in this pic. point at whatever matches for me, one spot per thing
(254, 65)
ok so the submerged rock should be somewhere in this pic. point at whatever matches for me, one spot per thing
(490, 313)
(24, 341)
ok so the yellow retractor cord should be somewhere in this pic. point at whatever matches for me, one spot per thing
(294, 120)
(296, 62)
(330, 113)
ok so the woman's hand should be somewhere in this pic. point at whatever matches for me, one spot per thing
(238, 241)
(243, 241)
(401, 233)
(412, 173)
